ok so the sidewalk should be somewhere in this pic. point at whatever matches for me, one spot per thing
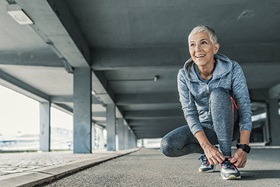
(29, 169)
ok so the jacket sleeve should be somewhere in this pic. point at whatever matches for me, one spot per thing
(241, 95)
(188, 105)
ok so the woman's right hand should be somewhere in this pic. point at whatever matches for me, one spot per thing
(213, 155)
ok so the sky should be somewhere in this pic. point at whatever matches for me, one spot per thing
(20, 114)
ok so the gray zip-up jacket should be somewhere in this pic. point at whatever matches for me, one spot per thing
(194, 93)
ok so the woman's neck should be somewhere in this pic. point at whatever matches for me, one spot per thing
(206, 72)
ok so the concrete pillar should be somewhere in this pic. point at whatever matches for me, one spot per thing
(120, 123)
(134, 141)
(101, 138)
(117, 138)
(129, 139)
(82, 110)
(266, 131)
(126, 137)
(93, 136)
(45, 127)
(111, 127)
(274, 122)
(98, 137)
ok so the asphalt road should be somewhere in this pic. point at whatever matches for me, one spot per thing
(149, 168)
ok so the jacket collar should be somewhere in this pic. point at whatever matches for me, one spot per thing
(223, 67)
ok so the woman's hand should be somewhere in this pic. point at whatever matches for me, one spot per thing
(213, 155)
(239, 159)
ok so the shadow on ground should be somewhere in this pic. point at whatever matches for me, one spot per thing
(260, 174)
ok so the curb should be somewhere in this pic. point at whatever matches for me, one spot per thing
(48, 174)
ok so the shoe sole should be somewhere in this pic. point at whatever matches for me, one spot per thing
(207, 171)
(231, 177)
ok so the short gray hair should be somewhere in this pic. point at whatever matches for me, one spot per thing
(202, 28)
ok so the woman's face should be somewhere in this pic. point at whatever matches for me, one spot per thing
(202, 49)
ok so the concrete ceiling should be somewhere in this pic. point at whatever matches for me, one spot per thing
(128, 43)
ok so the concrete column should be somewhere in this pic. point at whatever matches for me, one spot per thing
(82, 110)
(101, 138)
(45, 127)
(266, 131)
(98, 137)
(274, 122)
(111, 127)
(125, 137)
(120, 123)
(134, 141)
(129, 139)
(93, 136)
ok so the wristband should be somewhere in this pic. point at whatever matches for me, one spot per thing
(244, 147)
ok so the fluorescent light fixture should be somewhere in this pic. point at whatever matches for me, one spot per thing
(156, 78)
(18, 14)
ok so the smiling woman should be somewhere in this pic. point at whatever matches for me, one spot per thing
(209, 86)
(202, 50)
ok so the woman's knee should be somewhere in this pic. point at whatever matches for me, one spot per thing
(173, 144)
(166, 147)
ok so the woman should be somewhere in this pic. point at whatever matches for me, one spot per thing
(216, 105)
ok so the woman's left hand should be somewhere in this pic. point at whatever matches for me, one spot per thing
(239, 159)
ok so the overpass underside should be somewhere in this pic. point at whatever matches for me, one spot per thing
(115, 64)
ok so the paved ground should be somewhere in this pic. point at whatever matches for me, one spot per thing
(149, 168)
(29, 169)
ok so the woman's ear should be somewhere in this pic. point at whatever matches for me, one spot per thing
(216, 48)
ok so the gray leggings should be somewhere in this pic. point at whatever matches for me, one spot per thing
(222, 131)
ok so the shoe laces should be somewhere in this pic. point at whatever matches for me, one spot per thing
(203, 159)
(227, 165)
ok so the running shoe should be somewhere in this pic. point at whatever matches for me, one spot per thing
(205, 166)
(229, 171)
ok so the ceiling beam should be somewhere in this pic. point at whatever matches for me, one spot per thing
(157, 122)
(69, 110)
(103, 91)
(159, 98)
(63, 12)
(108, 59)
(101, 88)
(54, 23)
(61, 99)
(42, 58)
(21, 87)
(63, 108)
(99, 122)
(153, 114)
(69, 99)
